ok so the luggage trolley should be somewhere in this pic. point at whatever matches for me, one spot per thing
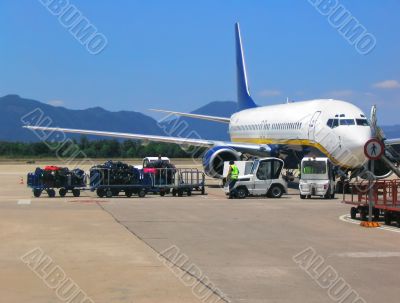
(385, 197)
(177, 181)
(53, 177)
(102, 181)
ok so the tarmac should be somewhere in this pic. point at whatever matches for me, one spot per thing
(188, 249)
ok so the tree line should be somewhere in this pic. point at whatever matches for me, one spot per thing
(95, 149)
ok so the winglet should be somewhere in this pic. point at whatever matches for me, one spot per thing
(243, 95)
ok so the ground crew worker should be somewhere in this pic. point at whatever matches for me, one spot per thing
(233, 175)
(309, 170)
(159, 163)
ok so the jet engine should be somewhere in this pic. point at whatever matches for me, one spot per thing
(381, 170)
(214, 158)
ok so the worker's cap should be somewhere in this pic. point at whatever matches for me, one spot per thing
(231, 162)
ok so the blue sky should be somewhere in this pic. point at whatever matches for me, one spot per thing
(179, 55)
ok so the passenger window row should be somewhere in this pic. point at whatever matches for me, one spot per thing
(268, 126)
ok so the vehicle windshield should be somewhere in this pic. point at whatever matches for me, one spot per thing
(314, 168)
(255, 164)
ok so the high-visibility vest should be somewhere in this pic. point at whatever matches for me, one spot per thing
(308, 169)
(234, 172)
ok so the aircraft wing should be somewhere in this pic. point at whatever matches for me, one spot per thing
(176, 140)
(195, 116)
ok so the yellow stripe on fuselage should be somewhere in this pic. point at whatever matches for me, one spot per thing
(303, 142)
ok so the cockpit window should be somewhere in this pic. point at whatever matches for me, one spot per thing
(347, 122)
(362, 122)
(332, 123)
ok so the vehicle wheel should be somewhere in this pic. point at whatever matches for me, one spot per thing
(275, 191)
(388, 218)
(376, 213)
(100, 192)
(128, 193)
(51, 193)
(109, 194)
(302, 196)
(37, 193)
(174, 192)
(142, 193)
(241, 193)
(62, 192)
(189, 192)
(180, 192)
(353, 213)
(76, 192)
(162, 192)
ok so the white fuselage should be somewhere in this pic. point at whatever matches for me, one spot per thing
(338, 129)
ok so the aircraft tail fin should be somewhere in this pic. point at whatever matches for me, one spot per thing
(244, 99)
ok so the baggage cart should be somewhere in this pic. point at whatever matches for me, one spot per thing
(104, 182)
(52, 177)
(177, 181)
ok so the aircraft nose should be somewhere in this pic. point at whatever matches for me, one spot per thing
(357, 146)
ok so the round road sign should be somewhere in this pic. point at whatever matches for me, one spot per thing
(374, 149)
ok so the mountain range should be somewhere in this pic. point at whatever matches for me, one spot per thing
(16, 111)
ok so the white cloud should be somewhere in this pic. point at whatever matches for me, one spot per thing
(56, 102)
(387, 84)
(269, 93)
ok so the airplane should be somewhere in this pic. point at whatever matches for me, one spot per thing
(322, 127)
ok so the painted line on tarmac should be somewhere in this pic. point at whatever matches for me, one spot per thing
(24, 202)
(346, 218)
(9, 174)
(88, 201)
(213, 198)
(369, 254)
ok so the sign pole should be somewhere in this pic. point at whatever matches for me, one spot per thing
(373, 150)
(370, 190)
